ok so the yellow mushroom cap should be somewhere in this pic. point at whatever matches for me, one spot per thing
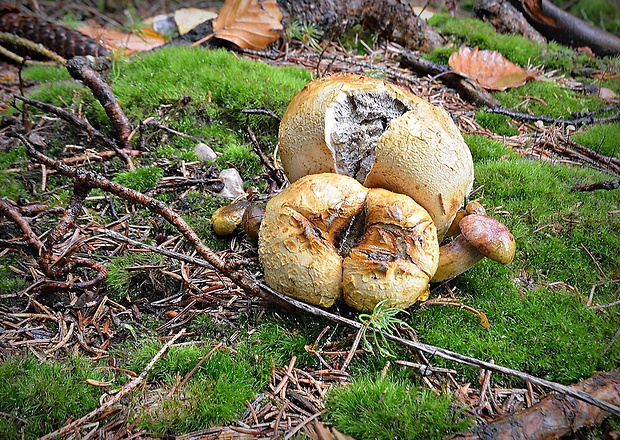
(395, 258)
(383, 136)
(296, 242)
(394, 249)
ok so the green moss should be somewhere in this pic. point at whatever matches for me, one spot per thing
(274, 342)
(601, 13)
(11, 161)
(215, 394)
(498, 124)
(244, 159)
(9, 282)
(142, 179)
(602, 138)
(517, 49)
(203, 93)
(45, 395)
(216, 77)
(46, 74)
(484, 149)
(131, 283)
(387, 409)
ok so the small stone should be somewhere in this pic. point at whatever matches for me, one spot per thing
(204, 152)
(233, 184)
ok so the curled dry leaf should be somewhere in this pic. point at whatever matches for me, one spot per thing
(250, 24)
(489, 68)
(187, 19)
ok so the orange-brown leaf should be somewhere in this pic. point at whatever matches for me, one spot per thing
(489, 68)
(130, 43)
(250, 24)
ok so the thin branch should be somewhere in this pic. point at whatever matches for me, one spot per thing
(29, 45)
(80, 123)
(581, 120)
(81, 68)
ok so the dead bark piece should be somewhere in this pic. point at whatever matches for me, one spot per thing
(606, 184)
(556, 415)
(62, 40)
(506, 19)
(570, 30)
(82, 69)
(394, 20)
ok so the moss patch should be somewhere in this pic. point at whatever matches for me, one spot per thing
(44, 395)
(388, 409)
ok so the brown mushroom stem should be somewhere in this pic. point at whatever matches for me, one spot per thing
(481, 236)
(455, 258)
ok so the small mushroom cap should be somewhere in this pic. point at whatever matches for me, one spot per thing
(489, 236)
(252, 218)
(226, 218)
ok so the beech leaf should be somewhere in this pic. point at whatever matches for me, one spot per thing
(489, 68)
(250, 24)
(187, 19)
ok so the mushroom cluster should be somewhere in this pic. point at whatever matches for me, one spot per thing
(379, 178)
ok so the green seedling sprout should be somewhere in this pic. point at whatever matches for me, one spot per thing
(382, 320)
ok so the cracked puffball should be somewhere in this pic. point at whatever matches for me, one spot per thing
(326, 237)
(383, 136)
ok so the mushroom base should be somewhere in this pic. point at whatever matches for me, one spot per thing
(391, 249)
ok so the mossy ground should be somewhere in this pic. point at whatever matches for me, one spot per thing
(539, 322)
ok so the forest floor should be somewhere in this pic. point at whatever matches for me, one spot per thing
(137, 336)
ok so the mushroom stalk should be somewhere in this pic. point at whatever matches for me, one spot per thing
(481, 236)
(456, 257)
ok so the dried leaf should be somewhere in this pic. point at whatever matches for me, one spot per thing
(250, 24)
(534, 8)
(188, 18)
(147, 40)
(489, 68)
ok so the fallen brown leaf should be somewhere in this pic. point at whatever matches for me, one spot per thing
(489, 68)
(250, 24)
(188, 18)
(112, 39)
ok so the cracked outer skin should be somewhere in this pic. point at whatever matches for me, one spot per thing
(296, 244)
(422, 154)
(395, 258)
